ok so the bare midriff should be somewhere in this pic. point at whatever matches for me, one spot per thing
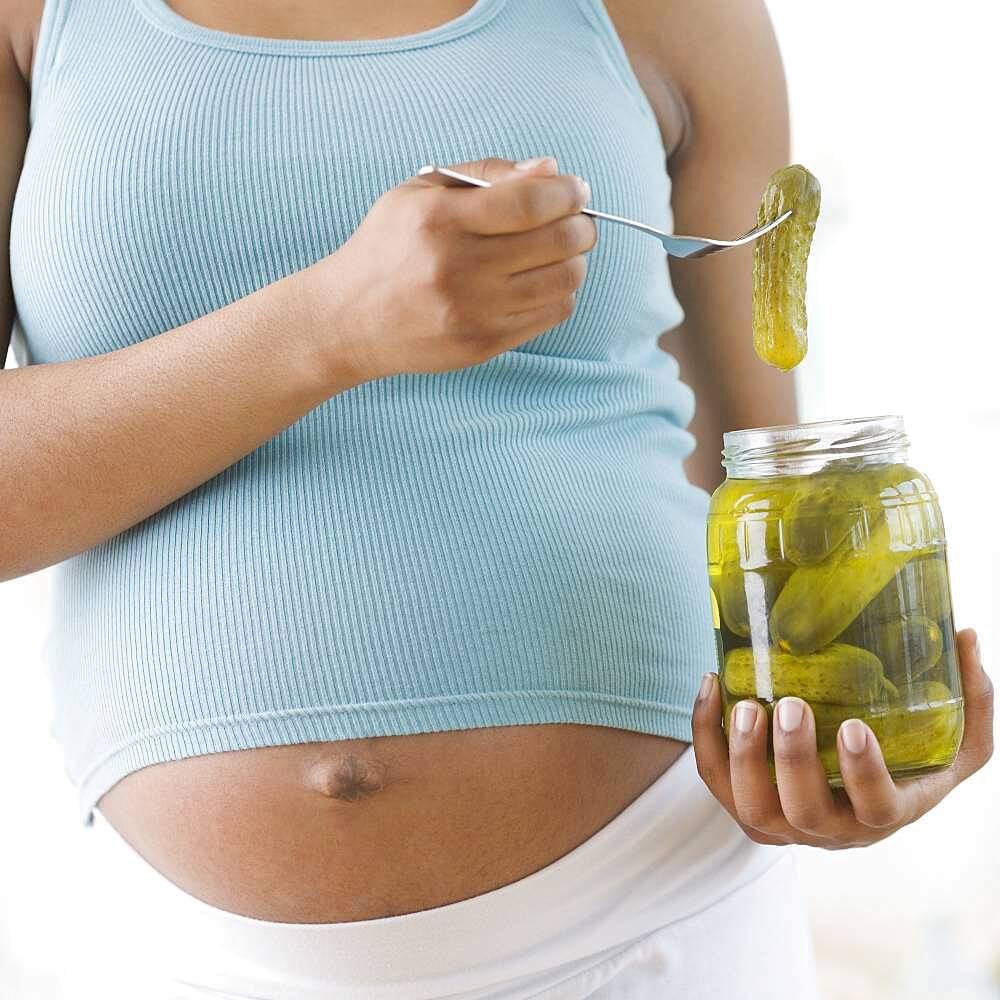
(360, 829)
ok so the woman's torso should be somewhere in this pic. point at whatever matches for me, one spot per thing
(357, 829)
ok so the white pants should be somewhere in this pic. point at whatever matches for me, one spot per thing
(670, 899)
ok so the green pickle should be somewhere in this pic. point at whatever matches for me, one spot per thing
(923, 729)
(920, 586)
(819, 602)
(838, 673)
(833, 587)
(826, 507)
(817, 520)
(779, 266)
(910, 646)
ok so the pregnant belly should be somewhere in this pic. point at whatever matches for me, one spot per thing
(360, 829)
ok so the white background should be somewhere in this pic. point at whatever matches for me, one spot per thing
(894, 109)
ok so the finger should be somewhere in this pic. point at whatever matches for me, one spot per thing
(710, 749)
(520, 326)
(977, 690)
(513, 253)
(806, 799)
(754, 795)
(923, 793)
(875, 799)
(542, 284)
(516, 203)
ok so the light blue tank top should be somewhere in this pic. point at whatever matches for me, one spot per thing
(512, 543)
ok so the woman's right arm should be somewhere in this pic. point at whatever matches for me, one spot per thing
(91, 447)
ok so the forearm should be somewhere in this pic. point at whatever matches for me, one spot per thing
(90, 447)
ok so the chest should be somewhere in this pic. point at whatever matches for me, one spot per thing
(163, 184)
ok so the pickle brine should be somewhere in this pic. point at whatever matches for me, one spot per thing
(779, 267)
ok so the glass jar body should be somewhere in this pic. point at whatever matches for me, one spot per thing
(833, 586)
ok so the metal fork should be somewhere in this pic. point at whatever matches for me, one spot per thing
(676, 246)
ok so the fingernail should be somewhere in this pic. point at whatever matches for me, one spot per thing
(584, 189)
(854, 735)
(979, 651)
(790, 714)
(536, 162)
(745, 716)
(706, 687)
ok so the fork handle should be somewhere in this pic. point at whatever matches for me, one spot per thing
(446, 177)
(631, 223)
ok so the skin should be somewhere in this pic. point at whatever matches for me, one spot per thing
(501, 266)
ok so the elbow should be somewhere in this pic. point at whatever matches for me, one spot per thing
(14, 564)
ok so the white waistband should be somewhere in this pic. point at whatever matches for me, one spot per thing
(670, 853)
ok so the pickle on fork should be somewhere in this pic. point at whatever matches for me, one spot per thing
(779, 267)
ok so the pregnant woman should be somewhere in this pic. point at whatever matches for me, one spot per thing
(377, 508)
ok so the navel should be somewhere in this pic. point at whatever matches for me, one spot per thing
(347, 778)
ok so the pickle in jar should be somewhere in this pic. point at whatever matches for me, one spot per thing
(850, 610)
(886, 719)
(819, 602)
(746, 596)
(779, 266)
(827, 505)
(817, 519)
(838, 673)
(921, 587)
(921, 731)
(909, 646)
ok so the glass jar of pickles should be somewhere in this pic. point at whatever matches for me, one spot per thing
(826, 559)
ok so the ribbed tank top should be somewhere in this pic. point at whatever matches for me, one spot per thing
(510, 543)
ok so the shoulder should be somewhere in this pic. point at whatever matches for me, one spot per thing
(19, 24)
(688, 53)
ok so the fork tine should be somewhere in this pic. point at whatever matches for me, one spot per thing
(752, 234)
(687, 247)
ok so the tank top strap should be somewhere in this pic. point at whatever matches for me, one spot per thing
(55, 14)
(613, 51)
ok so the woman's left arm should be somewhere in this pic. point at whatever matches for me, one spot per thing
(713, 75)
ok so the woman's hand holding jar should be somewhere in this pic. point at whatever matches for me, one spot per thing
(803, 808)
